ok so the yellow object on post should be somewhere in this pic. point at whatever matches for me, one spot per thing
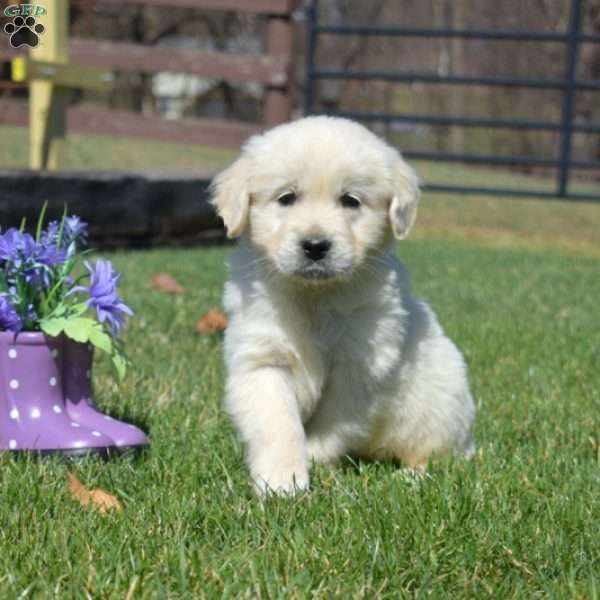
(47, 101)
(50, 76)
(70, 76)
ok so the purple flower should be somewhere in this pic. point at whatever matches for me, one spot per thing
(75, 230)
(9, 244)
(50, 234)
(23, 256)
(74, 234)
(9, 319)
(16, 246)
(50, 255)
(103, 295)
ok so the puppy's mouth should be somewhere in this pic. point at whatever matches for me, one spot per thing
(319, 272)
(315, 272)
(314, 265)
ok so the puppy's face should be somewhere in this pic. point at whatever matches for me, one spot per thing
(318, 197)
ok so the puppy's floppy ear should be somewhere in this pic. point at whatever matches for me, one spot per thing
(231, 198)
(403, 207)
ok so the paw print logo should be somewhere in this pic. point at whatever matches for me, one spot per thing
(24, 32)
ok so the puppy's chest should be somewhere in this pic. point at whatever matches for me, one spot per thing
(364, 345)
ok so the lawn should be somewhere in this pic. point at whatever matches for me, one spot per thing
(516, 284)
(519, 521)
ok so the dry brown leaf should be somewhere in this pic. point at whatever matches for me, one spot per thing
(164, 282)
(212, 322)
(99, 499)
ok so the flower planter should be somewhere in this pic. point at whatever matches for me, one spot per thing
(46, 403)
(47, 308)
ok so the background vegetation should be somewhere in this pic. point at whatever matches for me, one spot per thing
(519, 521)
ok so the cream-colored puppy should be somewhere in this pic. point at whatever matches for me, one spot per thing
(327, 351)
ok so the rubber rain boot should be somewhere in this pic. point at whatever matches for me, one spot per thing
(33, 415)
(77, 376)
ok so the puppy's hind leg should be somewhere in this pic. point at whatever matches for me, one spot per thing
(468, 450)
(263, 406)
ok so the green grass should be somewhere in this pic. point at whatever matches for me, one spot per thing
(511, 223)
(516, 283)
(519, 521)
(120, 154)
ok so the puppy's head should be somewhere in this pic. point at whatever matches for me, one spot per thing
(317, 197)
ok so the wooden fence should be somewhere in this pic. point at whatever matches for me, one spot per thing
(92, 62)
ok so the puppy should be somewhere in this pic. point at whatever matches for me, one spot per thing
(327, 351)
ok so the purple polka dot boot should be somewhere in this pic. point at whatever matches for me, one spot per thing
(33, 415)
(77, 376)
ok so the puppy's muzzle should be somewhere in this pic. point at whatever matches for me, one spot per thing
(315, 249)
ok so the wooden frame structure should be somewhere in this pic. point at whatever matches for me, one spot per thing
(60, 63)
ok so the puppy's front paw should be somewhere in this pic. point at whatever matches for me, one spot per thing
(280, 480)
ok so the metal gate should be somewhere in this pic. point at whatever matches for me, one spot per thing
(569, 85)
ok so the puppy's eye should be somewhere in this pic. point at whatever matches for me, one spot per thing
(349, 201)
(287, 199)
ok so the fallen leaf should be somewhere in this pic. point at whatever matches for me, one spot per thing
(99, 499)
(212, 322)
(164, 282)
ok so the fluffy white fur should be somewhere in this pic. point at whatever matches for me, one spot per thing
(334, 356)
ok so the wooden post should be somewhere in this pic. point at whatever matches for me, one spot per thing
(47, 101)
(280, 41)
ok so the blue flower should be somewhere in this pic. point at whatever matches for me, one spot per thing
(103, 295)
(8, 244)
(75, 231)
(35, 277)
(25, 257)
(50, 234)
(9, 319)
(16, 246)
(49, 255)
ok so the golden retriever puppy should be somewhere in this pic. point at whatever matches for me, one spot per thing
(327, 351)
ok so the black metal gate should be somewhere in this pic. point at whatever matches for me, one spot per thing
(569, 85)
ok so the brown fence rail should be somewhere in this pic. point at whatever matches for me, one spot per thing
(271, 7)
(211, 132)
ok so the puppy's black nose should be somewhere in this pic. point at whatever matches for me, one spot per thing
(315, 249)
